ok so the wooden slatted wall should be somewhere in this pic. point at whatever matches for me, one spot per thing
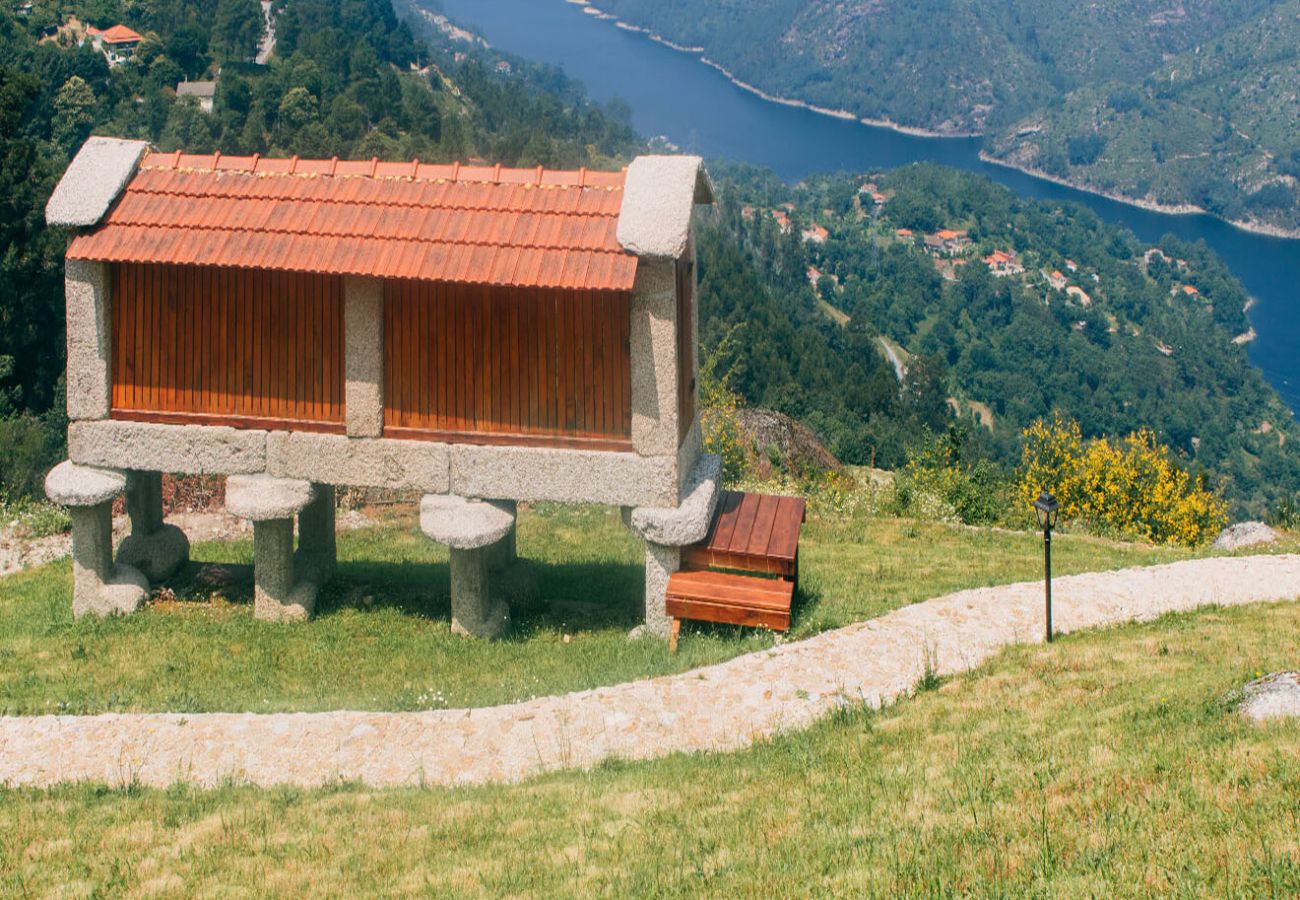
(201, 345)
(514, 366)
(686, 387)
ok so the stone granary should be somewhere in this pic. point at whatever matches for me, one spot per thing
(476, 334)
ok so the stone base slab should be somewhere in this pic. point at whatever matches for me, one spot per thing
(469, 470)
(185, 449)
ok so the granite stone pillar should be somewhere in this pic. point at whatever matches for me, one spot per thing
(661, 561)
(157, 549)
(98, 586)
(478, 534)
(667, 530)
(281, 593)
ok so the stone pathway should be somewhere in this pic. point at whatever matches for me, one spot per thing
(721, 707)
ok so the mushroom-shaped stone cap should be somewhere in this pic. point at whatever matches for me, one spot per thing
(69, 484)
(689, 521)
(261, 498)
(464, 524)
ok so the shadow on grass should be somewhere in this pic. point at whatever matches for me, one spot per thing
(424, 590)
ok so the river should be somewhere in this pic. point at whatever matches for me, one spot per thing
(672, 94)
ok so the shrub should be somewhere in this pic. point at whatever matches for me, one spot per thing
(719, 425)
(1131, 485)
(938, 484)
(29, 447)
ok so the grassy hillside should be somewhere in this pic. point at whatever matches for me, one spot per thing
(385, 618)
(1188, 103)
(1111, 763)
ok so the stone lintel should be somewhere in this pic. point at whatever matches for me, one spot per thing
(530, 474)
(185, 449)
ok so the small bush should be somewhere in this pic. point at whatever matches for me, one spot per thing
(1131, 485)
(719, 424)
(1284, 514)
(938, 484)
(29, 447)
(33, 518)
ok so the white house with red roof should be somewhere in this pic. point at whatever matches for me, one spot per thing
(118, 44)
(1003, 263)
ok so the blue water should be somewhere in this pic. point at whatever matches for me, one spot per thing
(694, 106)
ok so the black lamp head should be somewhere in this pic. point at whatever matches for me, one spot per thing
(1047, 509)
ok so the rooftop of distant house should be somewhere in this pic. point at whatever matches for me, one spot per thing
(201, 89)
(118, 34)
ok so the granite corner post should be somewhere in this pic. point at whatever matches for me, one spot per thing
(88, 297)
(654, 358)
(363, 328)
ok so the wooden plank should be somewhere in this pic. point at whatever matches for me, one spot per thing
(724, 525)
(181, 417)
(784, 541)
(499, 439)
(744, 524)
(697, 557)
(723, 587)
(764, 519)
(724, 614)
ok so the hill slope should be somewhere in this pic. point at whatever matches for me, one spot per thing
(1188, 103)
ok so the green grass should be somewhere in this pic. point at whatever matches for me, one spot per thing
(382, 639)
(1108, 764)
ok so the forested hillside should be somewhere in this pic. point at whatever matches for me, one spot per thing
(1194, 102)
(1216, 126)
(345, 78)
(1130, 336)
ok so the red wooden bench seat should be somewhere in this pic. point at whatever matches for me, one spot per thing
(750, 533)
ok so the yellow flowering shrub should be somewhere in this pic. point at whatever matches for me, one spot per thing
(1130, 485)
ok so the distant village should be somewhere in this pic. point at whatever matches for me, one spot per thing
(119, 44)
(952, 248)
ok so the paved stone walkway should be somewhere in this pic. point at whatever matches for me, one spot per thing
(721, 707)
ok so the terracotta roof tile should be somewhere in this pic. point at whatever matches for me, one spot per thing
(475, 224)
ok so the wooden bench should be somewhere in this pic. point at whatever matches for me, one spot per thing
(756, 538)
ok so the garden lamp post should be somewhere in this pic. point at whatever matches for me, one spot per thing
(1047, 509)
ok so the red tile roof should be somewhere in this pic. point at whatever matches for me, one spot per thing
(479, 225)
(118, 34)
